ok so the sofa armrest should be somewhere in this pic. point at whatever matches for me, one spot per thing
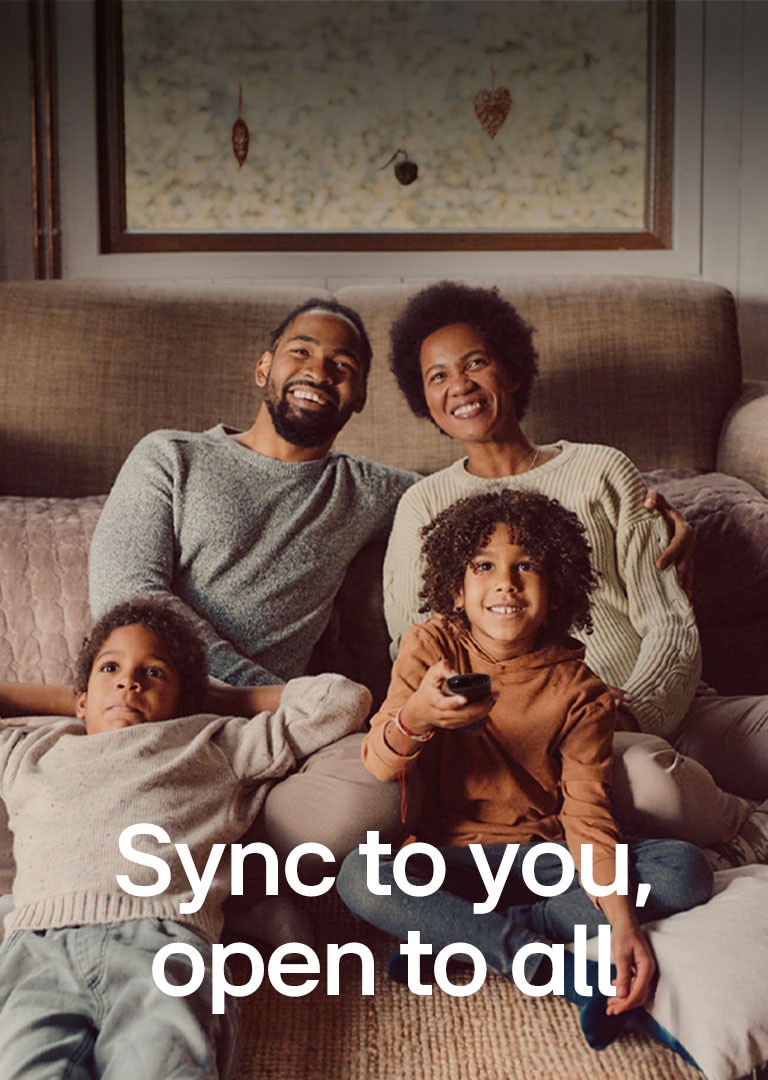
(743, 446)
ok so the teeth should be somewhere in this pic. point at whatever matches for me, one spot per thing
(468, 410)
(307, 395)
(505, 609)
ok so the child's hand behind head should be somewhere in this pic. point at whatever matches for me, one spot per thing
(434, 706)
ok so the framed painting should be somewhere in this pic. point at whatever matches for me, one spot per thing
(381, 125)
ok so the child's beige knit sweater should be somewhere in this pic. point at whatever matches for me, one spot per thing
(202, 779)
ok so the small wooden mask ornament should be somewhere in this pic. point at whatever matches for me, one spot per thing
(240, 134)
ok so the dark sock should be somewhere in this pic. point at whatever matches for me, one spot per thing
(598, 1027)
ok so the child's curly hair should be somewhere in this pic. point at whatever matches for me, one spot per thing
(185, 647)
(547, 531)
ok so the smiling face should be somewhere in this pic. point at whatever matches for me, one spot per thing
(466, 389)
(314, 378)
(505, 597)
(132, 681)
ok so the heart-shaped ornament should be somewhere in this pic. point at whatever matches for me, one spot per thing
(492, 108)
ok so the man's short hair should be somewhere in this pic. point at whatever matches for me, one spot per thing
(184, 644)
(506, 335)
(333, 307)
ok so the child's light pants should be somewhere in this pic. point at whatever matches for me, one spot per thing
(77, 1001)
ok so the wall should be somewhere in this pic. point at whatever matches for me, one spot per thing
(16, 218)
(721, 153)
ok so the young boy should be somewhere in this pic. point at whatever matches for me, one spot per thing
(76, 980)
(507, 574)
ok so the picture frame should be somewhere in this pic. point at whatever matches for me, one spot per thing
(117, 136)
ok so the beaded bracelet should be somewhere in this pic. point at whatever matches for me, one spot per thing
(396, 720)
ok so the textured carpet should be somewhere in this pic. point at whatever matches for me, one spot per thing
(496, 1034)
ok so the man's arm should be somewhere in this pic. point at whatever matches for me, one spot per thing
(133, 552)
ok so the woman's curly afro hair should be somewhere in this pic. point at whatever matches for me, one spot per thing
(185, 647)
(507, 337)
(548, 532)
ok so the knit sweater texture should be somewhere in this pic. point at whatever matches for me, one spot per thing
(645, 638)
(200, 778)
(540, 768)
(254, 548)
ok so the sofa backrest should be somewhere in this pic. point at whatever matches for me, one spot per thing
(648, 365)
(86, 368)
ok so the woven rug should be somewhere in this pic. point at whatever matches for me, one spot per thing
(497, 1033)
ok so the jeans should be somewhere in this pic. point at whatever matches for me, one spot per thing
(78, 1001)
(678, 874)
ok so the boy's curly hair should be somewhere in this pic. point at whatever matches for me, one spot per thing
(506, 335)
(547, 531)
(185, 647)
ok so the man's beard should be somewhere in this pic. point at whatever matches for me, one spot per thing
(301, 428)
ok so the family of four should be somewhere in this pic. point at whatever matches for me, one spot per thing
(237, 543)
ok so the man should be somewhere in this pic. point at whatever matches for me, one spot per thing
(251, 533)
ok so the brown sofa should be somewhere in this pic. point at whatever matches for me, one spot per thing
(651, 366)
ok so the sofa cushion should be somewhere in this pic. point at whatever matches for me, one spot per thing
(712, 994)
(44, 585)
(730, 522)
(613, 351)
(43, 599)
(88, 367)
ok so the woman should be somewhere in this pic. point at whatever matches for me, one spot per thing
(464, 357)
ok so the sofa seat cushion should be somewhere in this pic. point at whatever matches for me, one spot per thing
(44, 610)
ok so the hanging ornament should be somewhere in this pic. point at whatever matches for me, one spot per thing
(240, 134)
(406, 171)
(492, 106)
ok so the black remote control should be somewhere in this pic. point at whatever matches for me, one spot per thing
(472, 686)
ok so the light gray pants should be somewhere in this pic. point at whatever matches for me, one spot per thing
(729, 736)
(80, 1002)
(697, 787)
(658, 792)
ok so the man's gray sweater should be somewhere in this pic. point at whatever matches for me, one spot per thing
(254, 548)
